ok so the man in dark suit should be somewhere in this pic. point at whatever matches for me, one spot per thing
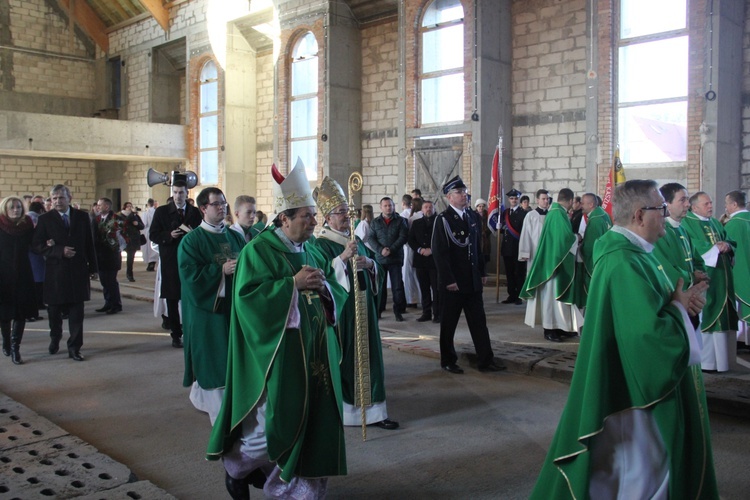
(63, 236)
(511, 221)
(420, 240)
(172, 222)
(461, 277)
(108, 255)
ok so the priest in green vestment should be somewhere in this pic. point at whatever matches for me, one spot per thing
(206, 259)
(636, 422)
(549, 285)
(281, 414)
(334, 241)
(597, 223)
(719, 318)
(738, 229)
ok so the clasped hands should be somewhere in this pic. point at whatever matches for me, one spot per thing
(692, 299)
(310, 278)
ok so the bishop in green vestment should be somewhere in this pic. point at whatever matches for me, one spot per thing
(597, 223)
(206, 261)
(549, 285)
(282, 402)
(335, 243)
(636, 423)
(738, 229)
(719, 319)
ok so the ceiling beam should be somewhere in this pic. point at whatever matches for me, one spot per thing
(156, 8)
(89, 22)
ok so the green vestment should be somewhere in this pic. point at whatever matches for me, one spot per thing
(553, 258)
(297, 368)
(738, 229)
(597, 224)
(205, 316)
(676, 254)
(633, 354)
(719, 313)
(332, 245)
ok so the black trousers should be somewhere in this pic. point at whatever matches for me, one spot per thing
(427, 279)
(130, 252)
(110, 287)
(397, 288)
(75, 323)
(173, 311)
(515, 273)
(472, 304)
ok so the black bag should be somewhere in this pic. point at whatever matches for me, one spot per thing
(142, 239)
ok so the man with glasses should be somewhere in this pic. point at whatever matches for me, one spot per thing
(719, 320)
(207, 257)
(171, 223)
(636, 421)
(738, 229)
(335, 243)
(549, 285)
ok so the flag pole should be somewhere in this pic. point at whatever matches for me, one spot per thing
(500, 214)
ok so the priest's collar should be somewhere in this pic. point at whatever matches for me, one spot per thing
(541, 211)
(293, 246)
(737, 212)
(700, 217)
(634, 238)
(673, 223)
(212, 228)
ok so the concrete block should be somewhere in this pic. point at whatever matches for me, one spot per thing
(129, 491)
(19, 425)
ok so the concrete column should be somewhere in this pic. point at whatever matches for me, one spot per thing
(240, 138)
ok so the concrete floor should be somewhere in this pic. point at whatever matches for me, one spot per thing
(471, 436)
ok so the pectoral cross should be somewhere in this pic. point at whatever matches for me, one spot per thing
(309, 295)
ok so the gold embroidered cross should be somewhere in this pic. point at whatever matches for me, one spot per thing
(309, 295)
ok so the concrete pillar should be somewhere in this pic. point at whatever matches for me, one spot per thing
(240, 138)
(721, 136)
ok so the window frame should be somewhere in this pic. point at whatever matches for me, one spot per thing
(310, 140)
(203, 179)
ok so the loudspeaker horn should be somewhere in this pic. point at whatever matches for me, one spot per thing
(153, 178)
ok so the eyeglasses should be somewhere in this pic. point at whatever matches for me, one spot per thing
(663, 209)
(340, 212)
(218, 204)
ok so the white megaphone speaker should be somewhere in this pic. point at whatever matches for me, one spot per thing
(187, 179)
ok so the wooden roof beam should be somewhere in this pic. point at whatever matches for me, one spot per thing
(157, 10)
(88, 21)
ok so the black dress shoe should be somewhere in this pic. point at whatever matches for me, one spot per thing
(54, 346)
(424, 317)
(256, 479)
(386, 424)
(508, 301)
(75, 355)
(399, 317)
(495, 366)
(552, 336)
(237, 488)
(151, 266)
(103, 309)
(177, 343)
(114, 310)
(563, 333)
(518, 302)
(131, 279)
(454, 368)
(436, 319)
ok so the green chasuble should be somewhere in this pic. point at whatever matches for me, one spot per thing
(553, 258)
(297, 368)
(676, 254)
(633, 354)
(719, 313)
(205, 316)
(738, 229)
(332, 244)
(597, 224)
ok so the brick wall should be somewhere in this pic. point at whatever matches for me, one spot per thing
(745, 171)
(264, 122)
(20, 176)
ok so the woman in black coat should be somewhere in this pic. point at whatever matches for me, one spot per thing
(132, 234)
(17, 300)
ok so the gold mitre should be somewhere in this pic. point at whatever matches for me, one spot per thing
(328, 196)
(292, 191)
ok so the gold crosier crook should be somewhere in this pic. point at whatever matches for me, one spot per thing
(362, 395)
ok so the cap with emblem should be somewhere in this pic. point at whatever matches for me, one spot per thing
(292, 191)
(513, 193)
(455, 183)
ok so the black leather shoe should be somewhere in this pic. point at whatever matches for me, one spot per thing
(424, 317)
(75, 355)
(518, 302)
(386, 424)
(237, 488)
(508, 301)
(177, 343)
(436, 319)
(151, 266)
(552, 336)
(454, 368)
(131, 279)
(114, 310)
(54, 346)
(563, 333)
(399, 317)
(495, 366)
(103, 309)
(256, 479)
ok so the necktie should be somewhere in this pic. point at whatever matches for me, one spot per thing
(181, 213)
(66, 221)
(466, 218)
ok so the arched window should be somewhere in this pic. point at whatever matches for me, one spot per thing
(303, 139)
(442, 70)
(208, 119)
(652, 81)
